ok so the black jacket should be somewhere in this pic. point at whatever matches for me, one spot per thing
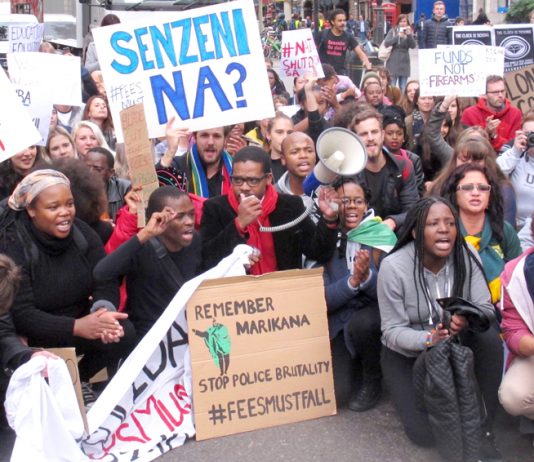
(399, 189)
(12, 352)
(220, 236)
(436, 32)
(446, 387)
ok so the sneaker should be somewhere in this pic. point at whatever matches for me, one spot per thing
(488, 449)
(88, 395)
(366, 397)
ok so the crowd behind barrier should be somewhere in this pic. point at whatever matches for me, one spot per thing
(427, 250)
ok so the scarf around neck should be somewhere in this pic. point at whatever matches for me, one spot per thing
(262, 241)
(199, 179)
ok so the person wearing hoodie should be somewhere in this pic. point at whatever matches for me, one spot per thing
(298, 157)
(436, 29)
(495, 113)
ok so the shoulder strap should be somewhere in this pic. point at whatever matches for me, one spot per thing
(79, 239)
(161, 253)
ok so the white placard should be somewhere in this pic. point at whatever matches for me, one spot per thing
(39, 109)
(299, 55)
(56, 77)
(25, 37)
(204, 66)
(17, 130)
(459, 70)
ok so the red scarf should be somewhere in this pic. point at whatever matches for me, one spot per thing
(262, 241)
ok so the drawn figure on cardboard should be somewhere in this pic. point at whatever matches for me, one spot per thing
(219, 345)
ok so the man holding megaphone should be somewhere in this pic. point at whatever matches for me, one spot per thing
(248, 213)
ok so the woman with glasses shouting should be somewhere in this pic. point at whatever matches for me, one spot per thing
(350, 288)
(475, 192)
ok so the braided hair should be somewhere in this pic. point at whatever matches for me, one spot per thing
(413, 229)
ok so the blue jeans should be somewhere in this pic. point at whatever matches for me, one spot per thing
(399, 81)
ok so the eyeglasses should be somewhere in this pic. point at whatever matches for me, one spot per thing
(250, 180)
(468, 187)
(352, 200)
(496, 92)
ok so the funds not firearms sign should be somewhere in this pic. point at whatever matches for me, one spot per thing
(260, 352)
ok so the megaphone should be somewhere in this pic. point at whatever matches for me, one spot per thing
(341, 152)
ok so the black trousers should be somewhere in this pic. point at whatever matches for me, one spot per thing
(364, 334)
(397, 370)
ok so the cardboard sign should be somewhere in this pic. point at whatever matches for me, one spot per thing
(260, 352)
(517, 40)
(25, 37)
(472, 35)
(145, 410)
(299, 54)
(520, 88)
(139, 155)
(69, 356)
(460, 70)
(55, 78)
(17, 130)
(205, 66)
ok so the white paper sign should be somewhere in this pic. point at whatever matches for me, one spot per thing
(57, 77)
(17, 130)
(299, 55)
(25, 37)
(203, 66)
(39, 109)
(459, 70)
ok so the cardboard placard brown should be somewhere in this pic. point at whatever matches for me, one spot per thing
(260, 352)
(69, 356)
(139, 155)
(520, 88)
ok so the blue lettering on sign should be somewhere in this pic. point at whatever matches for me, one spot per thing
(176, 96)
(160, 39)
(202, 38)
(130, 54)
(229, 38)
(143, 48)
(207, 80)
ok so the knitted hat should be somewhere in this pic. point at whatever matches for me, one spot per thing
(369, 75)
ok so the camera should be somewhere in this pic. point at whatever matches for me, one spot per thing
(402, 29)
(530, 140)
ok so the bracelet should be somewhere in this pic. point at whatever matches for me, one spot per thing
(428, 341)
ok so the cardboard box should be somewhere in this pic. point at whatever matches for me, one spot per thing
(260, 352)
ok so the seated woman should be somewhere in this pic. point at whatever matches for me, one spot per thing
(473, 147)
(350, 287)
(97, 111)
(59, 304)
(518, 328)
(87, 135)
(431, 261)
(59, 145)
(474, 191)
(14, 169)
(158, 260)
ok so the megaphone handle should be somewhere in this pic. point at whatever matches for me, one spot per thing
(290, 224)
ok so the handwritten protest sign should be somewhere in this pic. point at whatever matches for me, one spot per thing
(204, 66)
(55, 78)
(517, 40)
(472, 35)
(460, 70)
(520, 88)
(39, 109)
(139, 155)
(17, 130)
(145, 410)
(260, 352)
(25, 37)
(299, 54)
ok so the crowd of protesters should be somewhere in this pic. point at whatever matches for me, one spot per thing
(441, 211)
